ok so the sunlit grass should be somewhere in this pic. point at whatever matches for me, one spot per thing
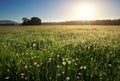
(60, 53)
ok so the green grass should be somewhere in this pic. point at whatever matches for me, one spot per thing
(60, 53)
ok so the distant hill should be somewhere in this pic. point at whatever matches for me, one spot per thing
(8, 22)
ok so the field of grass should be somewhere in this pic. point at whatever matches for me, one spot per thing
(60, 53)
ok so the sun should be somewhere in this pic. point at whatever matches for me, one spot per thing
(86, 11)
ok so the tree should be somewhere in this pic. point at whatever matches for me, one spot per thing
(25, 21)
(32, 21)
(35, 21)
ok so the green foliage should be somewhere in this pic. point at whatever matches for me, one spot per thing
(60, 53)
(32, 21)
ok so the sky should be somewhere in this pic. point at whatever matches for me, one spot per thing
(58, 10)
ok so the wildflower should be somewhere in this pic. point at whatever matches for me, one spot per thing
(22, 74)
(105, 73)
(58, 55)
(67, 78)
(79, 74)
(81, 67)
(63, 72)
(20, 61)
(63, 59)
(34, 56)
(5, 46)
(110, 51)
(68, 67)
(34, 45)
(50, 78)
(64, 63)
(76, 64)
(91, 58)
(110, 65)
(78, 77)
(17, 54)
(66, 59)
(101, 78)
(69, 62)
(41, 63)
(22, 53)
(58, 74)
(50, 59)
(118, 61)
(11, 60)
(25, 66)
(73, 60)
(119, 67)
(91, 75)
(58, 66)
(76, 58)
(25, 78)
(38, 65)
(84, 67)
(38, 56)
(7, 77)
(35, 63)
(53, 59)
(88, 47)
(8, 70)
(43, 67)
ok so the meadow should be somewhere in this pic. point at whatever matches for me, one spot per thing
(60, 53)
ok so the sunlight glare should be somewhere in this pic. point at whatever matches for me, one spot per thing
(86, 11)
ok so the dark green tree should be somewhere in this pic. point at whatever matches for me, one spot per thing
(35, 21)
(25, 21)
(32, 21)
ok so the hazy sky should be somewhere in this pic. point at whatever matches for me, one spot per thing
(57, 10)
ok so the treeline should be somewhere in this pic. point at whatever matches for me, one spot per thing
(9, 24)
(32, 21)
(86, 22)
(37, 21)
